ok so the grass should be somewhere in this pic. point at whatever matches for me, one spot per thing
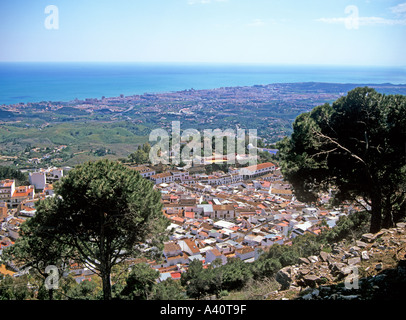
(83, 138)
(254, 290)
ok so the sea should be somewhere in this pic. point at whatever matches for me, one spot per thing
(23, 82)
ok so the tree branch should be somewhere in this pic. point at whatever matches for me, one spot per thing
(319, 134)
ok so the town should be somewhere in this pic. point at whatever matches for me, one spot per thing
(213, 217)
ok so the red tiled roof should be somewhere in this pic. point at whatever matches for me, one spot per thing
(259, 166)
(189, 214)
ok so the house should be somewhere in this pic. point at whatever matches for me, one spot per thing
(21, 194)
(172, 249)
(7, 188)
(206, 210)
(13, 227)
(180, 175)
(271, 239)
(196, 257)
(310, 212)
(300, 228)
(283, 193)
(144, 171)
(223, 212)
(257, 170)
(189, 246)
(225, 248)
(189, 214)
(27, 212)
(3, 211)
(175, 275)
(164, 177)
(253, 240)
(245, 253)
(42, 177)
(49, 189)
(214, 254)
(282, 227)
(181, 258)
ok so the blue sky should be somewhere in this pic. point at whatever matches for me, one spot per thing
(339, 32)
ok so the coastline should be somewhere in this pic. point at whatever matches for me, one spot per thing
(24, 82)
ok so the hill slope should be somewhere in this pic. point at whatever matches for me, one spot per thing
(373, 267)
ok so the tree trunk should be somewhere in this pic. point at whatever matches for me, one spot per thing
(105, 261)
(388, 220)
(51, 294)
(106, 285)
(376, 212)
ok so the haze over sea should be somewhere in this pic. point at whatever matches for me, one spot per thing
(34, 82)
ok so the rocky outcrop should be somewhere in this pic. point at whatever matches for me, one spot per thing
(371, 267)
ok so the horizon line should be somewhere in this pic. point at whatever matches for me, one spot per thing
(273, 64)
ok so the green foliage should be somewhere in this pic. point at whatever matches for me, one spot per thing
(356, 147)
(102, 211)
(347, 227)
(168, 290)
(197, 281)
(10, 173)
(140, 283)
(85, 290)
(141, 156)
(236, 274)
(15, 288)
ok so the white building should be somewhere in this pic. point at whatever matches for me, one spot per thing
(214, 254)
(257, 170)
(45, 176)
(144, 171)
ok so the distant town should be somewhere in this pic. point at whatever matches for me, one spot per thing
(52, 133)
(227, 211)
(239, 213)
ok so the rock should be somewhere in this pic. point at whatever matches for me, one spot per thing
(304, 260)
(401, 225)
(345, 256)
(361, 244)
(311, 280)
(307, 296)
(283, 277)
(380, 277)
(336, 266)
(325, 289)
(304, 271)
(324, 256)
(316, 292)
(354, 261)
(355, 253)
(354, 249)
(380, 233)
(346, 270)
(351, 297)
(334, 296)
(364, 255)
(368, 237)
(341, 269)
(313, 259)
(378, 267)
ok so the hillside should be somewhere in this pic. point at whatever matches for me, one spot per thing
(120, 124)
(372, 267)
